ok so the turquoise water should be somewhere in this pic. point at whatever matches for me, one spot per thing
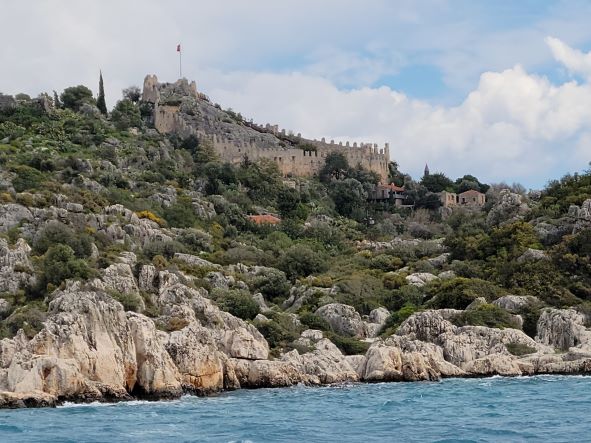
(545, 408)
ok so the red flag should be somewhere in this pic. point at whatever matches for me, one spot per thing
(178, 48)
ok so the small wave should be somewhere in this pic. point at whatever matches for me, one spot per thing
(96, 404)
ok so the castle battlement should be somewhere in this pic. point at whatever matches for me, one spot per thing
(235, 141)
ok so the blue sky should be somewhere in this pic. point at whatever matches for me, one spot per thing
(498, 89)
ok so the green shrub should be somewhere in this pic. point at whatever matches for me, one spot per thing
(130, 301)
(398, 317)
(458, 293)
(348, 345)
(238, 303)
(26, 178)
(126, 114)
(314, 321)
(271, 284)
(58, 233)
(75, 96)
(166, 249)
(59, 264)
(29, 318)
(520, 349)
(486, 315)
(181, 214)
(280, 331)
(386, 262)
(301, 261)
(406, 295)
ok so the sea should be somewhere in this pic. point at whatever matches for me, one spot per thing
(520, 409)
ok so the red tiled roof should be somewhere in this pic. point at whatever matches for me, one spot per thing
(264, 219)
(392, 187)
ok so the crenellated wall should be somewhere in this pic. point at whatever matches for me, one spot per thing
(304, 160)
(305, 163)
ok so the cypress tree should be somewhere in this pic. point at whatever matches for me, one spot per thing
(100, 101)
(56, 101)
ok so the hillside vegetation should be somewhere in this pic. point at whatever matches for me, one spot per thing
(85, 196)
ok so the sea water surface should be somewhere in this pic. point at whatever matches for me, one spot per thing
(537, 409)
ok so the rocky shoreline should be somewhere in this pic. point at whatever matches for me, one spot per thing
(91, 349)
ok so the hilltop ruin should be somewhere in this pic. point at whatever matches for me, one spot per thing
(179, 108)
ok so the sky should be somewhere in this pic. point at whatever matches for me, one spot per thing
(497, 89)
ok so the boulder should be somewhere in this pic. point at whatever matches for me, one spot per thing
(495, 364)
(532, 255)
(119, 277)
(325, 364)
(508, 208)
(16, 269)
(193, 260)
(379, 315)
(12, 214)
(343, 319)
(515, 303)
(420, 278)
(196, 357)
(563, 329)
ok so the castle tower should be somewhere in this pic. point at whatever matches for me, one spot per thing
(426, 169)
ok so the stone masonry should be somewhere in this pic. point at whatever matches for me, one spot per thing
(179, 108)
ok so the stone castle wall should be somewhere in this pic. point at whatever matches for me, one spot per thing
(303, 163)
(292, 161)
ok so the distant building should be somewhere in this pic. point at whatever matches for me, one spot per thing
(471, 198)
(426, 170)
(389, 192)
(264, 219)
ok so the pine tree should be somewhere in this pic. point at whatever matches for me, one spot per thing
(100, 101)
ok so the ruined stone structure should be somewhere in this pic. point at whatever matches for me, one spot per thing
(470, 198)
(179, 108)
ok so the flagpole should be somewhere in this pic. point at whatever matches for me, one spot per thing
(180, 63)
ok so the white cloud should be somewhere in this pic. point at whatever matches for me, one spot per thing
(513, 126)
(286, 62)
(574, 60)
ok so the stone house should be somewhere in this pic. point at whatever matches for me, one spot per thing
(470, 198)
(389, 192)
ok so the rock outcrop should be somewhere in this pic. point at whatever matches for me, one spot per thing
(343, 319)
(91, 349)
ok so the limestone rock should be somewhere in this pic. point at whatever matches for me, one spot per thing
(265, 373)
(440, 260)
(119, 277)
(193, 260)
(233, 336)
(298, 295)
(147, 278)
(379, 315)
(260, 300)
(447, 275)
(562, 329)
(514, 303)
(11, 215)
(420, 278)
(510, 207)
(156, 373)
(324, 365)
(33, 399)
(16, 269)
(532, 255)
(343, 319)
(495, 364)
(195, 354)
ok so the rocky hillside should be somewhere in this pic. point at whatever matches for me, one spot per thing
(129, 267)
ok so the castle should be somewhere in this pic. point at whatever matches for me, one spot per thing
(179, 108)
